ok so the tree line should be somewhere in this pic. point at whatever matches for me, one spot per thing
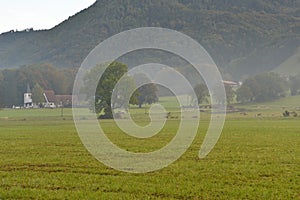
(13, 84)
(259, 88)
(40, 77)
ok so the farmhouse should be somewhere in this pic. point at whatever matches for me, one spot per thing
(232, 84)
(57, 100)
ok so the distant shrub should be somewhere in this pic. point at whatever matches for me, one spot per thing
(294, 114)
(286, 113)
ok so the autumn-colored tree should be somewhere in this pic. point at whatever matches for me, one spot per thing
(37, 94)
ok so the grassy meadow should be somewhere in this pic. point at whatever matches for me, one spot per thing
(42, 157)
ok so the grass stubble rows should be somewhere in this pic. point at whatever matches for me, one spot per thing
(42, 157)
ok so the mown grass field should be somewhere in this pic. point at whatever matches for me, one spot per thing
(42, 157)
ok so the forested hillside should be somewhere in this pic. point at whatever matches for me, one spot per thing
(243, 37)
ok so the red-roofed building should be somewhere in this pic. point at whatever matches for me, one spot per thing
(58, 100)
(231, 83)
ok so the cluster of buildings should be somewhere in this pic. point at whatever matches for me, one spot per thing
(51, 100)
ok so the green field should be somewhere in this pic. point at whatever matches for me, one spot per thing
(42, 157)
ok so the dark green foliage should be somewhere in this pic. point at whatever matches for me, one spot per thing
(262, 87)
(106, 86)
(201, 92)
(244, 94)
(295, 85)
(295, 114)
(147, 94)
(230, 94)
(286, 113)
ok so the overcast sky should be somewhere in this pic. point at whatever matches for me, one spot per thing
(37, 14)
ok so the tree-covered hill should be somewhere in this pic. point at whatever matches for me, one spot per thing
(243, 37)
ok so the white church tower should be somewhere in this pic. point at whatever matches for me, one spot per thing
(28, 98)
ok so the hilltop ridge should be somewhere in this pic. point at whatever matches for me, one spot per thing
(243, 37)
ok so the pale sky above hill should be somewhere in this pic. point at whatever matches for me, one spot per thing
(37, 14)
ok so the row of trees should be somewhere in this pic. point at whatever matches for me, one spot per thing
(260, 88)
(268, 87)
(13, 83)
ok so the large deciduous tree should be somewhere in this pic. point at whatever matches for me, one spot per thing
(244, 94)
(37, 94)
(147, 94)
(106, 88)
(295, 85)
(230, 93)
(201, 92)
